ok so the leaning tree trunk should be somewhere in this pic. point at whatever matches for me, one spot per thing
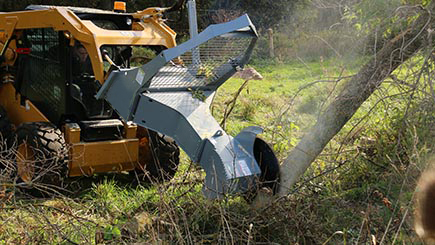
(354, 93)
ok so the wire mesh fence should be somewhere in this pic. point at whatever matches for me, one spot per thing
(203, 65)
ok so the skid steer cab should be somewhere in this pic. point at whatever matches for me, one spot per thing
(87, 91)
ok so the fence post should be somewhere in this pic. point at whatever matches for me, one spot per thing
(193, 29)
(271, 48)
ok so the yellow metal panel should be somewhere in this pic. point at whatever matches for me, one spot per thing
(152, 34)
(17, 113)
(11, 22)
(72, 135)
(58, 18)
(107, 156)
(130, 130)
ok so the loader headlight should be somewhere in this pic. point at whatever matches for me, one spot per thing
(128, 21)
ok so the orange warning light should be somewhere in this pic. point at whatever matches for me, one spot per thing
(119, 7)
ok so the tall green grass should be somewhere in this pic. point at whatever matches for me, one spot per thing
(360, 189)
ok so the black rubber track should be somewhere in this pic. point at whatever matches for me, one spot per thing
(166, 157)
(50, 154)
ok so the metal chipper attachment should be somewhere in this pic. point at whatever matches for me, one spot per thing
(172, 93)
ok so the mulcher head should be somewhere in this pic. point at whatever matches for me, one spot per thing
(172, 93)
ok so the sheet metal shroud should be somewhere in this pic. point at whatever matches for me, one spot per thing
(172, 93)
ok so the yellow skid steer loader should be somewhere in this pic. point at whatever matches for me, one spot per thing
(74, 100)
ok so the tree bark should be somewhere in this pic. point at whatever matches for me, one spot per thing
(355, 92)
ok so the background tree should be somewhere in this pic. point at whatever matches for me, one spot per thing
(394, 53)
